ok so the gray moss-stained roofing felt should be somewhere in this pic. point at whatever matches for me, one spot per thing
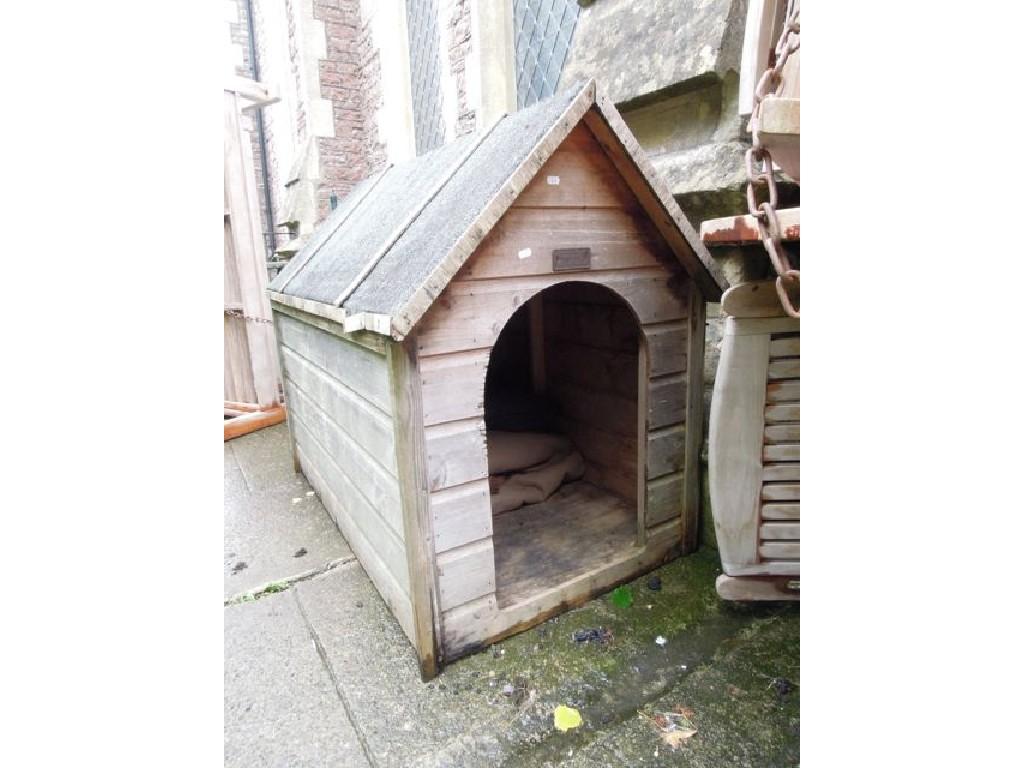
(445, 218)
(394, 229)
(333, 259)
(369, 223)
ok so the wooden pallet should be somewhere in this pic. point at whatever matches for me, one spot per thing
(243, 418)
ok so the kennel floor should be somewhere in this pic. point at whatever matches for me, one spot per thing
(577, 530)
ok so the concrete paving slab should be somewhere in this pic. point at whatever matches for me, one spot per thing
(266, 529)
(400, 718)
(234, 480)
(281, 707)
(264, 457)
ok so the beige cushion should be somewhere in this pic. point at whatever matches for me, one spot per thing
(539, 464)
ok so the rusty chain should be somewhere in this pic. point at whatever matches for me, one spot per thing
(764, 212)
(247, 318)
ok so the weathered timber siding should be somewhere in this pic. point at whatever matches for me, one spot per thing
(592, 354)
(576, 200)
(340, 407)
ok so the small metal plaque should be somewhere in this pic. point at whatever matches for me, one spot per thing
(570, 259)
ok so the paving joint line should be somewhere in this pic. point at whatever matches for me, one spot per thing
(283, 584)
(322, 653)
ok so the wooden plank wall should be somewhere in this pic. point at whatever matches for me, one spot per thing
(250, 368)
(340, 408)
(576, 200)
(779, 532)
(238, 383)
(591, 355)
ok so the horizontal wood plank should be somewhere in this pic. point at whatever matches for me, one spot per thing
(665, 451)
(456, 453)
(785, 347)
(353, 513)
(664, 498)
(364, 371)
(618, 414)
(362, 421)
(666, 347)
(781, 550)
(377, 486)
(782, 433)
(578, 175)
(452, 386)
(780, 491)
(781, 472)
(784, 368)
(780, 511)
(782, 452)
(465, 574)
(523, 241)
(780, 531)
(600, 370)
(783, 391)
(461, 514)
(471, 314)
(775, 414)
(666, 400)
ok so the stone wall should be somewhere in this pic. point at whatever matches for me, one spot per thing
(671, 66)
(458, 34)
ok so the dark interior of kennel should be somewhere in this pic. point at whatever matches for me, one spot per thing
(587, 391)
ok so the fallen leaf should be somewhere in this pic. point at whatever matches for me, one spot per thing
(566, 718)
(684, 711)
(675, 739)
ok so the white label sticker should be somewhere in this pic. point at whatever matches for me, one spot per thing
(554, 181)
(525, 253)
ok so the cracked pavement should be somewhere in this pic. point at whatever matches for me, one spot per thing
(318, 673)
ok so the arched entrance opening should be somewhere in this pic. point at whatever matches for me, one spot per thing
(566, 429)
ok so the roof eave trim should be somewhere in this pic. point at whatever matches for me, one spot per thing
(654, 195)
(351, 323)
(403, 321)
(319, 308)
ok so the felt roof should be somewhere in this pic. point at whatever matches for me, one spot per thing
(393, 243)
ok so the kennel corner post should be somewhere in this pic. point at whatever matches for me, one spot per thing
(410, 454)
(694, 417)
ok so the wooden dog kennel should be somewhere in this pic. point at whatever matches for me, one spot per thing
(545, 249)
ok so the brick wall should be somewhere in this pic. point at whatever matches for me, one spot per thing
(350, 80)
